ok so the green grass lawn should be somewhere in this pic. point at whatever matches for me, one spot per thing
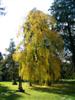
(56, 92)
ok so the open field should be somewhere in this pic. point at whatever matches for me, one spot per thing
(55, 92)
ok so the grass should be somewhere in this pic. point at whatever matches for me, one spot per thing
(55, 92)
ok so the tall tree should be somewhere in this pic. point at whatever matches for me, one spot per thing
(11, 64)
(1, 67)
(42, 46)
(64, 12)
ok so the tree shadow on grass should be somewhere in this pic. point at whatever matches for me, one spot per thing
(63, 89)
(7, 94)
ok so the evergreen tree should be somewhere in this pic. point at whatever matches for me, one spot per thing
(64, 12)
(1, 68)
(11, 64)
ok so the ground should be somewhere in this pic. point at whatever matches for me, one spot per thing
(55, 92)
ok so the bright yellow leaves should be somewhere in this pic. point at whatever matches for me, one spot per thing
(39, 60)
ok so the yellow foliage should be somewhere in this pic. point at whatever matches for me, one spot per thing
(38, 60)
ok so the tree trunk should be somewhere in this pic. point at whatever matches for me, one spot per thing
(30, 84)
(20, 85)
(14, 82)
(49, 83)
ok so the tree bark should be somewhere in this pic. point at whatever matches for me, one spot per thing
(14, 82)
(20, 88)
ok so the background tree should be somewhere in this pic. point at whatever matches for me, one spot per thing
(11, 64)
(1, 67)
(64, 12)
(41, 48)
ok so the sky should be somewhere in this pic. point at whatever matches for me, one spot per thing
(17, 10)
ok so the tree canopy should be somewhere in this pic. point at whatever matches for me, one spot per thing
(40, 60)
(64, 13)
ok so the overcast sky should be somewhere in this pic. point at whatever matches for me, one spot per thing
(16, 12)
